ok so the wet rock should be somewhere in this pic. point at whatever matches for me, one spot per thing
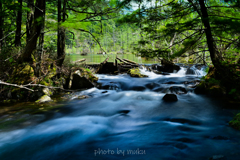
(152, 85)
(138, 88)
(82, 97)
(79, 82)
(165, 73)
(177, 90)
(190, 71)
(81, 79)
(159, 89)
(160, 72)
(110, 86)
(124, 112)
(104, 91)
(135, 72)
(170, 98)
(44, 99)
(46, 91)
(200, 66)
(168, 67)
(170, 82)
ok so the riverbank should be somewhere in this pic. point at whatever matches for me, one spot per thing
(129, 113)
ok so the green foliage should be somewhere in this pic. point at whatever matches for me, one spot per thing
(233, 91)
(235, 123)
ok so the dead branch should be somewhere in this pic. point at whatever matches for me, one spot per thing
(15, 85)
(34, 85)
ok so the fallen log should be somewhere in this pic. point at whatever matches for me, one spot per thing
(80, 61)
(105, 61)
(130, 61)
(123, 61)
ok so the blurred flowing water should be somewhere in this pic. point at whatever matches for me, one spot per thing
(127, 119)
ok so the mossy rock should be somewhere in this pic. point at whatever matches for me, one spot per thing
(235, 123)
(85, 72)
(135, 72)
(44, 99)
(22, 75)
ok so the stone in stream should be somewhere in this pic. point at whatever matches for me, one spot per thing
(79, 82)
(104, 91)
(81, 79)
(190, 71)
(44, 99)
(178, 90)
(152, 85)
(135, 72)
(170, 98)
(166, 66)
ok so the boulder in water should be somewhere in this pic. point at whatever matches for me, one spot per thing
(190, 71)
(135, 72)
(79, 82)
(44, 99)
(170, 98)
(152, 85)
(166, 66)
(82, 79)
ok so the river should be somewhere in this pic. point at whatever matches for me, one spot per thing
(127, 119)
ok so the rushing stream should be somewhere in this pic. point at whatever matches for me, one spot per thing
(127, 119)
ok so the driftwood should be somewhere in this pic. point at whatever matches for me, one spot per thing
(130, 61)
(121, 60)
(80, 61)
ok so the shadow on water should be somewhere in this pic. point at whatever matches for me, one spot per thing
(127, 119)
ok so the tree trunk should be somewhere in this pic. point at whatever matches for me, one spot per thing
(30, 5)
(61, 32)
(1, 25)
(35, 31)
(208, 33)
(19, 25)
(39, 53)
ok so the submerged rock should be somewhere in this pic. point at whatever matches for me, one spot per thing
(44, 99)
(135, 72)
(190, 71)
(178, 90)
(166, 66)
(170, 98)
